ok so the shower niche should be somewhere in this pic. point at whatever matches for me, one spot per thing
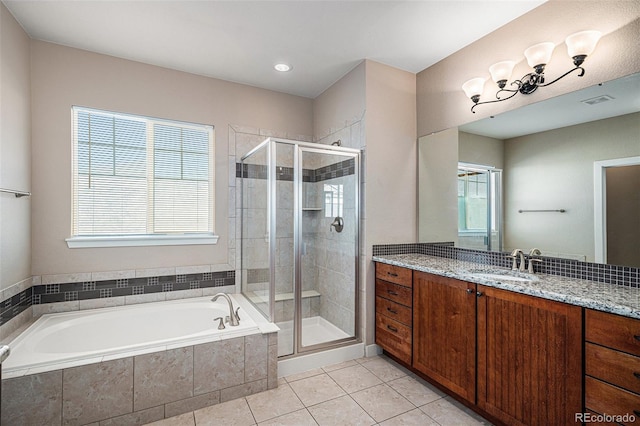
(297, 266)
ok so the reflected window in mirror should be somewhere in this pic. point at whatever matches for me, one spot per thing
(479, 211)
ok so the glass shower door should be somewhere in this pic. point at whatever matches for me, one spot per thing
(327, 247)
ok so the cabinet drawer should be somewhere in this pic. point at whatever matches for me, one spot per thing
(613, 367)
(613, 331)
(604, 398)
(394, 274)
(394, 337)
(394, 311)
(397, 293)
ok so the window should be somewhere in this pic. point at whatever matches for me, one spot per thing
(333, 200)
(140, 180)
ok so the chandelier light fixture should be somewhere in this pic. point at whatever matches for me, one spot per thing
(579, 46)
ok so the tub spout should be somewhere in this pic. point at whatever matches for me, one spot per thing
(234, 319)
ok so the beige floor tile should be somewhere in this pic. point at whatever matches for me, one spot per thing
(273, 403)
(316, 389)
(448, 412)
(385, 369)
(304, 375)
(338, 366)
(417, 393)
(342, 411)
(185, 419)
(353, 379)
(229, 413)
(297, 418)
(411, 418)
(381, 402)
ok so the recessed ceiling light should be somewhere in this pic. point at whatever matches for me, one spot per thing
(282, 67)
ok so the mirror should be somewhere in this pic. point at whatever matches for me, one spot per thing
(570, 177)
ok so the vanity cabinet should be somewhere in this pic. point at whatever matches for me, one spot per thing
(612, 364)
(529, 358)
(394, 301)
(517, 358)
(444, 331)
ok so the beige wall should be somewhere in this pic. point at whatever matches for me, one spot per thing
(481, 150)
(554, 170)
(340, 105)
(623, 218)
(442, 104)
(438, 186)
(15, 152)
(391, 165)
(62, 77)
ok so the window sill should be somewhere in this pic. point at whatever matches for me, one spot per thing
(141, 240)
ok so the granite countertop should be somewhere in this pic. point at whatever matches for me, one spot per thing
(605, 297)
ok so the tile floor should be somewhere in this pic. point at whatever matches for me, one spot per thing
(366, 391)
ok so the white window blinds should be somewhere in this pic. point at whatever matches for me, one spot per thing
(136, 175)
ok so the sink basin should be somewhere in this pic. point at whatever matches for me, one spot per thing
(501, 277)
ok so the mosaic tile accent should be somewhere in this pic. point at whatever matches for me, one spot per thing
(13, 306)
(612, 274)
(255, 171)
(257, 275)
(67, 292)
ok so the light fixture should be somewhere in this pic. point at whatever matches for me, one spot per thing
(282, 67)
(579, 46)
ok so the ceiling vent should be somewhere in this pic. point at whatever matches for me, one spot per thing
(598, 100)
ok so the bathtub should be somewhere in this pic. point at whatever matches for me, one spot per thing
(75, 338)
(136, 364)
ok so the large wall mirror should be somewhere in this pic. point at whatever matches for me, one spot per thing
(562, 175)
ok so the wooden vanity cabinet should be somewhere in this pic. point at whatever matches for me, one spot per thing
(394, 301)
(612, 364)
(444, 332)
(529, 358)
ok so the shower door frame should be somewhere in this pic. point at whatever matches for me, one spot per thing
(300, 147)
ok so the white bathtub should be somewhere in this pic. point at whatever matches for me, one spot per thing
(74, 338)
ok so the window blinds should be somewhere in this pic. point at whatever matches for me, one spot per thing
(140, 175)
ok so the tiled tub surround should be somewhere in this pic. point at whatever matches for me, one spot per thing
(618, 299)
(145, 385)
(67, 296)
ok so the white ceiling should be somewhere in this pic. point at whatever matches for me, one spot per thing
(241, 40)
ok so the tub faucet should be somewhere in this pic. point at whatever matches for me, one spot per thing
(233, 318)
(515, 255)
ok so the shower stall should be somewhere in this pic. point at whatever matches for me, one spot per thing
(300, 239)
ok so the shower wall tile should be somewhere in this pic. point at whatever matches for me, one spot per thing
(52, 308)
(155, 272)
(97, 391)
(112, 275)
(100, 303)
(66, 278)
(218, 365)
(42, 390)
(163, 377)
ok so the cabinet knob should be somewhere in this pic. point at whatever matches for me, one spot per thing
(637, 337)
(636, 412)
(391, 292)
(395, 330)
(470, 290)
(479, 294)
(636, 374)
(392, 311)
(392, 274)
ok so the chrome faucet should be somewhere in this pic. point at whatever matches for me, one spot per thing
(532, 253)
(515, 255)
(233, 318)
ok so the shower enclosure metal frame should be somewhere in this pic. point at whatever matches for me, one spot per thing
(299, 149)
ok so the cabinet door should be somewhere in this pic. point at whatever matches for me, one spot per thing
(529, 358)
(444, 331)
